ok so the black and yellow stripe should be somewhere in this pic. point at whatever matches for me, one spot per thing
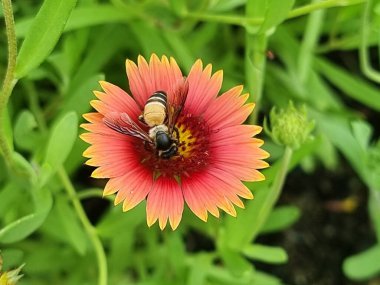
(158, 97)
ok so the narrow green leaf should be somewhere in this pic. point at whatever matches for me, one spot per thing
(75, 46)
(43, 34)
(351, 85)
(374, 205)
(61, 140)
(281, 218)
(180, 47)
(150, 39)
(265, 253)
(362, 131)
(86, 16)
(99, 54)
(364, 265)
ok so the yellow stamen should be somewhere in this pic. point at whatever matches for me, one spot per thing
(187, 141)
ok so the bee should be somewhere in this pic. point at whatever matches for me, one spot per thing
(160, 115)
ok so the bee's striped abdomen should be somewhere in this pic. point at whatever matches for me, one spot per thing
(155, 109)
(159, 98)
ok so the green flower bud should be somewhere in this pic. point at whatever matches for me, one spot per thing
(290, 126)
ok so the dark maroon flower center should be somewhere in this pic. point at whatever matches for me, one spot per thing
(193, 150)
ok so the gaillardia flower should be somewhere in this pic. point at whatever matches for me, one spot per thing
(173, 140)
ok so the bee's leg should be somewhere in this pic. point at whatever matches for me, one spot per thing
(176, 133)
(141, 119)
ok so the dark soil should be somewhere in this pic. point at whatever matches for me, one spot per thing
(327, 232)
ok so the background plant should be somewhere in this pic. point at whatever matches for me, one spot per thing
(51, 217)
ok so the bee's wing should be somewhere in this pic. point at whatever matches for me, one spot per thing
(176, 102)
(123, 124)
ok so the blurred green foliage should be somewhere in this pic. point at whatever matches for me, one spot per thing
(280, 50)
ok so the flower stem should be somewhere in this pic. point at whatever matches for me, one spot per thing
(307, 9)
(279, 180)
(90, 229)
(225, 19)
(273, 191)
(297, 12)
(310, 39)
(363, 51)
(255, 62)
(9, 79)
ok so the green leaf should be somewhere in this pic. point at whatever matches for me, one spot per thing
(178, 6)
(362, 131)
(352, 86)
(272, 11)
(338, 129)
(43, 34)
(78, 100)
(281, 218)
(275, 13)
(98, 55)
(265, 253)
(363, 265)
(24, 170)
(235, 262)
(86, 16)
(199, 269)
(8, 197)
(71, 226)
(374, 208)
(61, 140)
(24, 226)
(150, 39)
(261, 278)
(224, 276)
(75, 46)
(25, 133)
(176, 252)
(227, 5)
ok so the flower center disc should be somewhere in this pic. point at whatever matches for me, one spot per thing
(193, 153)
